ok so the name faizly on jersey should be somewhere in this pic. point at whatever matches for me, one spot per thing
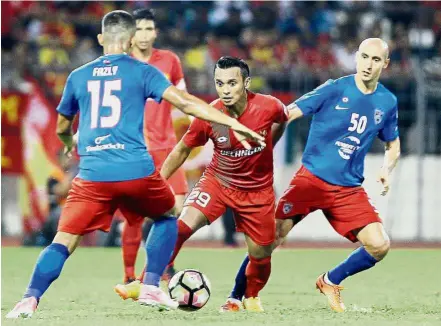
(232, 164)
(158, 124)
(110, 93)
(345, 123)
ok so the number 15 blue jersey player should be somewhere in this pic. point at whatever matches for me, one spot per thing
(116, 171)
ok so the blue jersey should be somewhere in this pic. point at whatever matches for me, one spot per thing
(344, 125)
(110, 93)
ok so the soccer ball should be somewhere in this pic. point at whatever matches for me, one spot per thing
(190, 288)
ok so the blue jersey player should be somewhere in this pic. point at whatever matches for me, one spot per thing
(116, 171)
(348, 113)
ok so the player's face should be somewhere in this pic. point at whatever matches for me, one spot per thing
(230, 85)
(371, 60)
(145, 34)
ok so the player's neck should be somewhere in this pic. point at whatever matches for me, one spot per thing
(143, 55)
(237, 109)
(367, 87)
(114, 49)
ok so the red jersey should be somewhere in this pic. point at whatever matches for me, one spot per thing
(158, 125)
(232, 164)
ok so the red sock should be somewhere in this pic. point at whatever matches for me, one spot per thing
(258, 272)
(184, 232)
(131, 239)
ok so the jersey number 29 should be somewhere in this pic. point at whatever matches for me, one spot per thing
(109, 100)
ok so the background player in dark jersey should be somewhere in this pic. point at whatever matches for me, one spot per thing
(348, 114)
(116, 170)
(159, 133)
(239, 178)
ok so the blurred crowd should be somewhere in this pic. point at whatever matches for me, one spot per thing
(290, 46)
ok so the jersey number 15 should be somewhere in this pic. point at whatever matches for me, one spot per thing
(109, 100)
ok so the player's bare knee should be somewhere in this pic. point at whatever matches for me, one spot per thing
(193, 218)
(260, 252)
(69, 240)
(378, 248)
(279, 241)
(282, 229)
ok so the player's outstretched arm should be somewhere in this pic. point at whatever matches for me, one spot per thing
(278, 129)
(65, 133)
(391, 155)
(191, 105)
(175, 159)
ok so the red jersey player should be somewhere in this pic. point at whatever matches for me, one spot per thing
(159, 134)
(239, 178)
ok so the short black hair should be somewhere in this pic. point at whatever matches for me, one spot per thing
(226, 62)
(118, 19)
(144, 13)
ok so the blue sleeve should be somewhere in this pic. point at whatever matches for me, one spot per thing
(390, 128)
(155, 83)
(68, 105)
(312, 102)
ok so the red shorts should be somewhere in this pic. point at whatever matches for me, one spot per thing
(177, 181)
(253, 210)
(90, 205)
(346, 208)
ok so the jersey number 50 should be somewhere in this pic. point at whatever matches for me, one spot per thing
(358, 124)
(109, 100)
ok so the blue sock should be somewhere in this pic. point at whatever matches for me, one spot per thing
(358, 261)
(47, 269)
(159, 246)
(240, 284)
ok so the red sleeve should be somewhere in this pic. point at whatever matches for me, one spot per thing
(197, 134)
(280, 112)
(177, 72)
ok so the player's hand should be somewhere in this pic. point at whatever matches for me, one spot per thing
(243, 133)
(384, 179)
(68, 148)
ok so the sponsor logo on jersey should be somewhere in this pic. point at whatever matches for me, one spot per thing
(242, 152)
(338, 107)
(222, 139)
(378, 116)
(99, 140)
(347, 146)
(263, 133)
(102, 147)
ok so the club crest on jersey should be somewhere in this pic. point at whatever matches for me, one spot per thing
(222, 139)
(345, 99)
(287, 207)
(378, 116)
(263, 133)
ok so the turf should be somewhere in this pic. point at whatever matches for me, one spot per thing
(405, 289)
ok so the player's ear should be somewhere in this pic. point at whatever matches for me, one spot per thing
(100, 39)
(247, 82)
(386, 63)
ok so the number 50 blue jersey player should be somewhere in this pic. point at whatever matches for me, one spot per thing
(348, 113)
(116, 171)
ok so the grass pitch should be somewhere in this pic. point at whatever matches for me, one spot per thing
(405, 289)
